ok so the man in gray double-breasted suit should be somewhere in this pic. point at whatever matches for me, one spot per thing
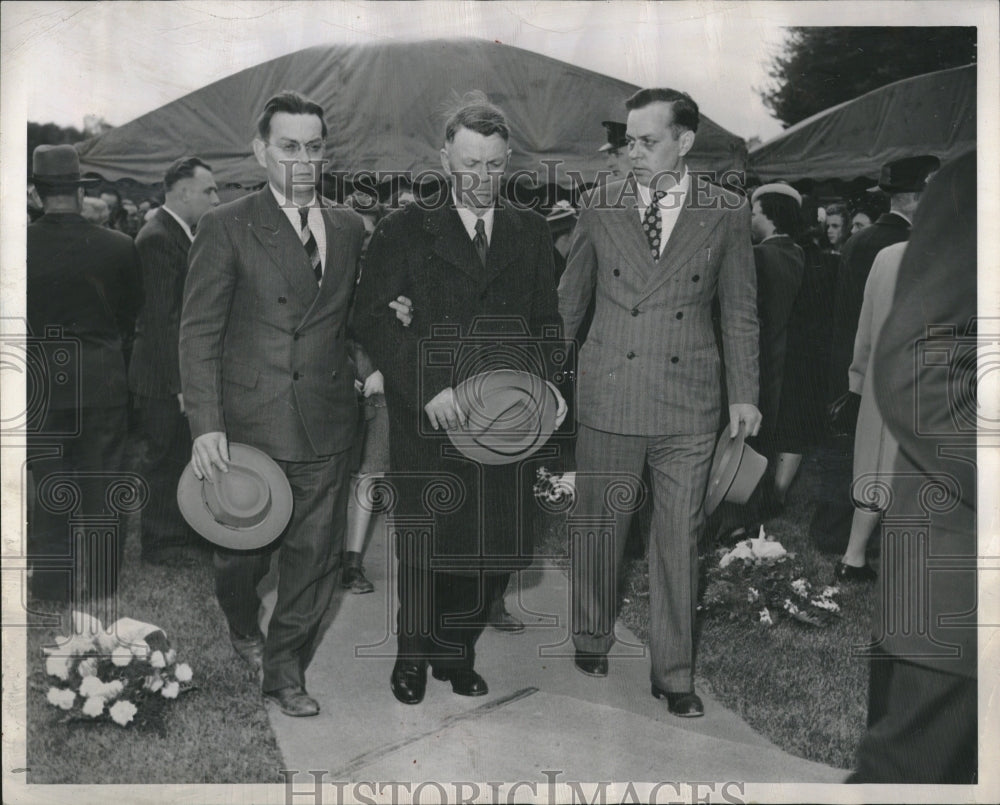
(656, 250)
(263, 359)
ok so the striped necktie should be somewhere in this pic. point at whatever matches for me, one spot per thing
(652, 224)
(309, 242)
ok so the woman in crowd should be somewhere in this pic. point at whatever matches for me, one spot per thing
(837, 226)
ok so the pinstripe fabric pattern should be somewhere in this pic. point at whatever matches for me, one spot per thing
(650, 365)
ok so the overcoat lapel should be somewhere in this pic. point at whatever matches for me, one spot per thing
(451, 242)
(503, 243)
(275, 233)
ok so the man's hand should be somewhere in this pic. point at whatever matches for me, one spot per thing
(180, 402)
(374, 384)
(443, 411)
(210, 450)
(404, 310)
(561, 407)
(746, 413)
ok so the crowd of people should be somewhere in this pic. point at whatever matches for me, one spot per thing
(295, 327)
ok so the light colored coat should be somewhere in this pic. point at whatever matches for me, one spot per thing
(651, 364)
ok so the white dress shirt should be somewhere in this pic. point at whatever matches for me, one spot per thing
(316, 224)
(670, 205)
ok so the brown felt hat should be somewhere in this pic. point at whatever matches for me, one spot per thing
(736, 470)
(511, 414)
(246, 508)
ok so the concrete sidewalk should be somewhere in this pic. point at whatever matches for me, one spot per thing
(540, 715)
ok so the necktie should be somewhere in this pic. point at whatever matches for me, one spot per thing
(652, 225)
(479, 241)
(309, 242)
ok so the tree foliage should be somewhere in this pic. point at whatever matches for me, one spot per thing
(822, 67)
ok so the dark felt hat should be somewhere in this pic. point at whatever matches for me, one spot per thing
(57, 165)
(616, 136)
(511, 414)
(907, 175)
(246, 508)
(736, 470)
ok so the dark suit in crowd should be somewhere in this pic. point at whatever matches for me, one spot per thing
(922, 716)
(155, 380)
(84, 281)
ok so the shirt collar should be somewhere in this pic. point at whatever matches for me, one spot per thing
(665, 202)
(469, 218)
(178, 219)
(285, 204)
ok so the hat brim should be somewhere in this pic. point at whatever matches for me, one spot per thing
(55, 181)
(200, 518)
(736, 470)
(490, 437)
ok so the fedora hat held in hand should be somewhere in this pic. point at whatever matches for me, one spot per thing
(736, 470)
(245, 508)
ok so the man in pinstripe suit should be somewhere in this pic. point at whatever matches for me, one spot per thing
(656, 249)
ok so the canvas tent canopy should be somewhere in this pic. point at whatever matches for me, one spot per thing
(933, 113)
(384, 106)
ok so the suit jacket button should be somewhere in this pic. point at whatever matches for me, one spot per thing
(674, 359)
(617, 273)
(695, 278)
(281, 300)
(680, 314)
(630, 355)
(295, 375)
(297, 336)
(635, 311)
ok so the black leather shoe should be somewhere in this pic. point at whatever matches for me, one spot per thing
(293, 701)
(464, 681)
(250, 649)
(842, 572)
(685, 705)
(591, 663)
(354, 579)
(408, 681)
(500, 619)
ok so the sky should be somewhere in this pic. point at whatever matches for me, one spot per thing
(120, 60)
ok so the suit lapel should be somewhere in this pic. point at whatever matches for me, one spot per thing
(274, 231)
(625, 228)
(690, 231)
(452, 243)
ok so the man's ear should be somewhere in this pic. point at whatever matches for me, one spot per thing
(258, 151)
(686, 141)
(445, 163)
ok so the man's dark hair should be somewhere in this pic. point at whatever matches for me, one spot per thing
(183, 168)
(474, 111)
(783, 212)
(685, 110)
(292, 103)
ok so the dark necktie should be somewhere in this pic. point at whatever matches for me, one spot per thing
(479, 241)
(309, 242)
(652, 225)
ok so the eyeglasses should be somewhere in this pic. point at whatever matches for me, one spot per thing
(290, 148)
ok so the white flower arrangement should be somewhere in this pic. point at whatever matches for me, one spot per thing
(555, 488)
(758, 579)
(125, 674)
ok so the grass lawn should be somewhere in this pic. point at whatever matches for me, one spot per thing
(218, 733)
(802, 687)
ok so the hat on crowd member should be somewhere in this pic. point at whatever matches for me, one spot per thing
(616, 136)
(511, 414)
(245, 508)
(54, 165)
(736, 470)
(561, 217)
(907, 175)
(777, 187)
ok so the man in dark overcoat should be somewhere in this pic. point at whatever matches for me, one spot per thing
(470, 258)
(84, 288)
